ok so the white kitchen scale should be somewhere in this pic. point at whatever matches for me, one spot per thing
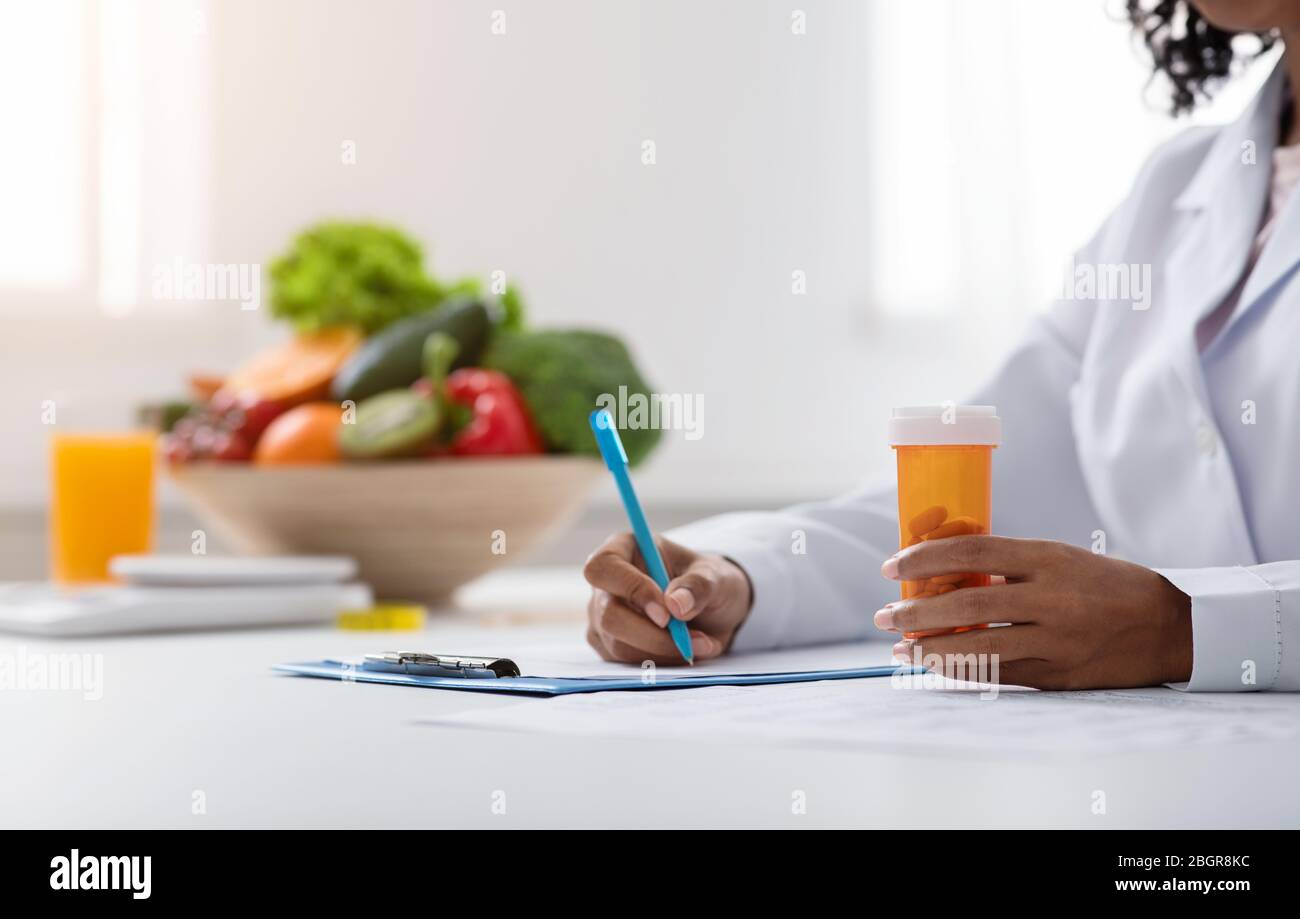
(158, 593)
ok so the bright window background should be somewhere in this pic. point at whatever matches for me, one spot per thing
(43, 182)
(106, 169)
(928, 166)
(1002, 145)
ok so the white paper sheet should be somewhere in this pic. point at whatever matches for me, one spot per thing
(564, 658)
(924, 715)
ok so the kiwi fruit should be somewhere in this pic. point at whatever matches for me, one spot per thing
(394, 423)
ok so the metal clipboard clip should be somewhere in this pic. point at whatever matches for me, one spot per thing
(418, 663)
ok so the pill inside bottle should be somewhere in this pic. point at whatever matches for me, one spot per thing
(945, 484)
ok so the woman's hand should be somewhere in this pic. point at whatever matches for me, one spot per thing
(1077, 620)
(628, 614)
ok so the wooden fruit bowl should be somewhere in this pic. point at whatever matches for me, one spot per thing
(418, 529)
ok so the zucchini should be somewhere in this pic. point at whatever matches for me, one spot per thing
(392, 359)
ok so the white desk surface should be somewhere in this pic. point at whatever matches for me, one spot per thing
(203, 712)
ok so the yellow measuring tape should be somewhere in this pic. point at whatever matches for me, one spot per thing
(384, 617)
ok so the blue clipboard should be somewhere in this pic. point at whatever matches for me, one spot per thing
(563, 686)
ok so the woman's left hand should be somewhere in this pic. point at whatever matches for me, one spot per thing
(1077, 620)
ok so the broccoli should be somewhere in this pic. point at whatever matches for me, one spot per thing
(360, 274)
(561, 374)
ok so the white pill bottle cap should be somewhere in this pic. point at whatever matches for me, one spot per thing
(945, 425)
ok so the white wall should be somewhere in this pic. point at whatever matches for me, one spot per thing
(775, 152)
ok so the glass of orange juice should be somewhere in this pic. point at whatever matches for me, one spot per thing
(945, 483)
(101, 501)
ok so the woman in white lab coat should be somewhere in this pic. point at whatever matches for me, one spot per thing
(1160, 423)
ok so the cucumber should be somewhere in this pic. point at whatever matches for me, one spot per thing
(392, 358)
(394, 423)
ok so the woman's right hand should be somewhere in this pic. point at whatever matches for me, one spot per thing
(628, 614)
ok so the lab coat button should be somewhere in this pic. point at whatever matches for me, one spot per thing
(1206, 440)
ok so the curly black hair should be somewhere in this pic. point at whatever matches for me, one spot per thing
(1193, 54)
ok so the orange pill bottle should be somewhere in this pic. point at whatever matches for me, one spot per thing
(945, 481)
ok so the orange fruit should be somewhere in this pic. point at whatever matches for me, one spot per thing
(302, 435)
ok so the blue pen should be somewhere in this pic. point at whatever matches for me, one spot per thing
(611, 448)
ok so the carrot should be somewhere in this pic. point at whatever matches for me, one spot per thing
(203, 386)
(297, 371)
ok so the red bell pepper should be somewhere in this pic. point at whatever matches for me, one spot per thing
(501, 425)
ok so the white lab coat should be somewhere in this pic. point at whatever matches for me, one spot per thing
(1114, 423)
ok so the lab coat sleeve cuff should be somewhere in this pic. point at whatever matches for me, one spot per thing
(772, 591)
(1236, 629)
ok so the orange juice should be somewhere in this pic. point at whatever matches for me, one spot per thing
(945, 483)
(101, 501)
